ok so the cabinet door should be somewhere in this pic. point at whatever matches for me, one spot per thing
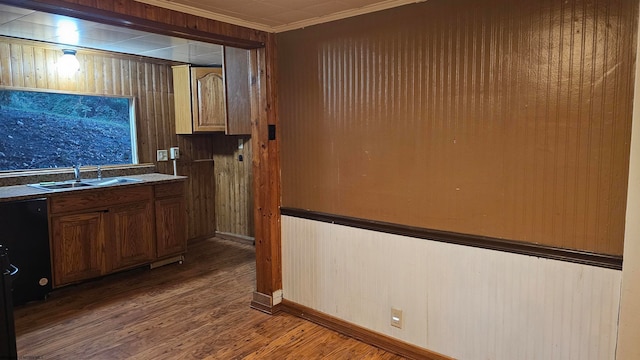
(209, 104)
(130, 236)
(238, 90)
(171, 234)
(77, 247)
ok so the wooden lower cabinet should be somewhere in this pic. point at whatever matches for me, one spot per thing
(97, 232)
(78, 241)
(130, 241)
(171, 230)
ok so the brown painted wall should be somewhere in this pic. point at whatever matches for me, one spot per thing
(508, 119)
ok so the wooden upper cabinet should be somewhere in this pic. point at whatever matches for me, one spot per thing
(209, 108)
(214, 99)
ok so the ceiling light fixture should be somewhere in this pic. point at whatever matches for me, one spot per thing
(68, 63)
(67, 32)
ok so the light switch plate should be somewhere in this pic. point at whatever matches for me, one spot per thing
(174, 153)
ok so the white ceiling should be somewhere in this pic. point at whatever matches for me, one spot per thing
(266, 15)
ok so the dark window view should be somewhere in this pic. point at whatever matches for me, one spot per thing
(50, 130)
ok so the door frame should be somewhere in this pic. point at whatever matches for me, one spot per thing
(264, 119)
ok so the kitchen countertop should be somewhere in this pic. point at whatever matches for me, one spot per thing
(24, 192)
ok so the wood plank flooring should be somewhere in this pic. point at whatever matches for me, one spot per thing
(197, 310)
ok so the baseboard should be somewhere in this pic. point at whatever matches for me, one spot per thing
(200, 238)
(381, 341)
(235, 237)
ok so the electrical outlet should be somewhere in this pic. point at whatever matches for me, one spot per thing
(163, 155)
(174, 153)
(396, 318)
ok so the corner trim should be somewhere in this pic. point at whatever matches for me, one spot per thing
(484, 242)
(263, 302)
(382, 341)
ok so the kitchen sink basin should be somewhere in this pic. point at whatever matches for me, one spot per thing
(72, 184)
(59, 185)
(112, 181)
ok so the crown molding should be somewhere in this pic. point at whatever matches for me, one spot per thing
(382, 5)
(207, 14)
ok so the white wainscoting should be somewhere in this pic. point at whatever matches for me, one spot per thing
(464, 302)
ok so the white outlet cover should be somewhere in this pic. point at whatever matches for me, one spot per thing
(396, 318)
(163, 155)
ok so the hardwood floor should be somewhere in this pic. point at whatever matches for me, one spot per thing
(197, 310)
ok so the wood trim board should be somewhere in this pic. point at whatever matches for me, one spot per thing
(242, 37)
(484, 242)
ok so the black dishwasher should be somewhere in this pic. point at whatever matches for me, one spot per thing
(24, 231)
(8, 349)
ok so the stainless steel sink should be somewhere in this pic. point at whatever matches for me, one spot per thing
(112, 181)
(72, 184)
(59, 185)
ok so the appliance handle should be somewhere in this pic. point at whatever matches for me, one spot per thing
(12, 271)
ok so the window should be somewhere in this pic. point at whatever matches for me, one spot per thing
(49, 130)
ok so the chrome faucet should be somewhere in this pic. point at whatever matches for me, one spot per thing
(76, 172)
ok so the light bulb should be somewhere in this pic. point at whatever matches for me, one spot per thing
(68, 63)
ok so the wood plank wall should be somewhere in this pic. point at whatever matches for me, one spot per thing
(234, 180)
(460, 301)
(31, 65)
(507, 119)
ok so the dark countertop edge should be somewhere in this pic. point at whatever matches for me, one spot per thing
(24, 192)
